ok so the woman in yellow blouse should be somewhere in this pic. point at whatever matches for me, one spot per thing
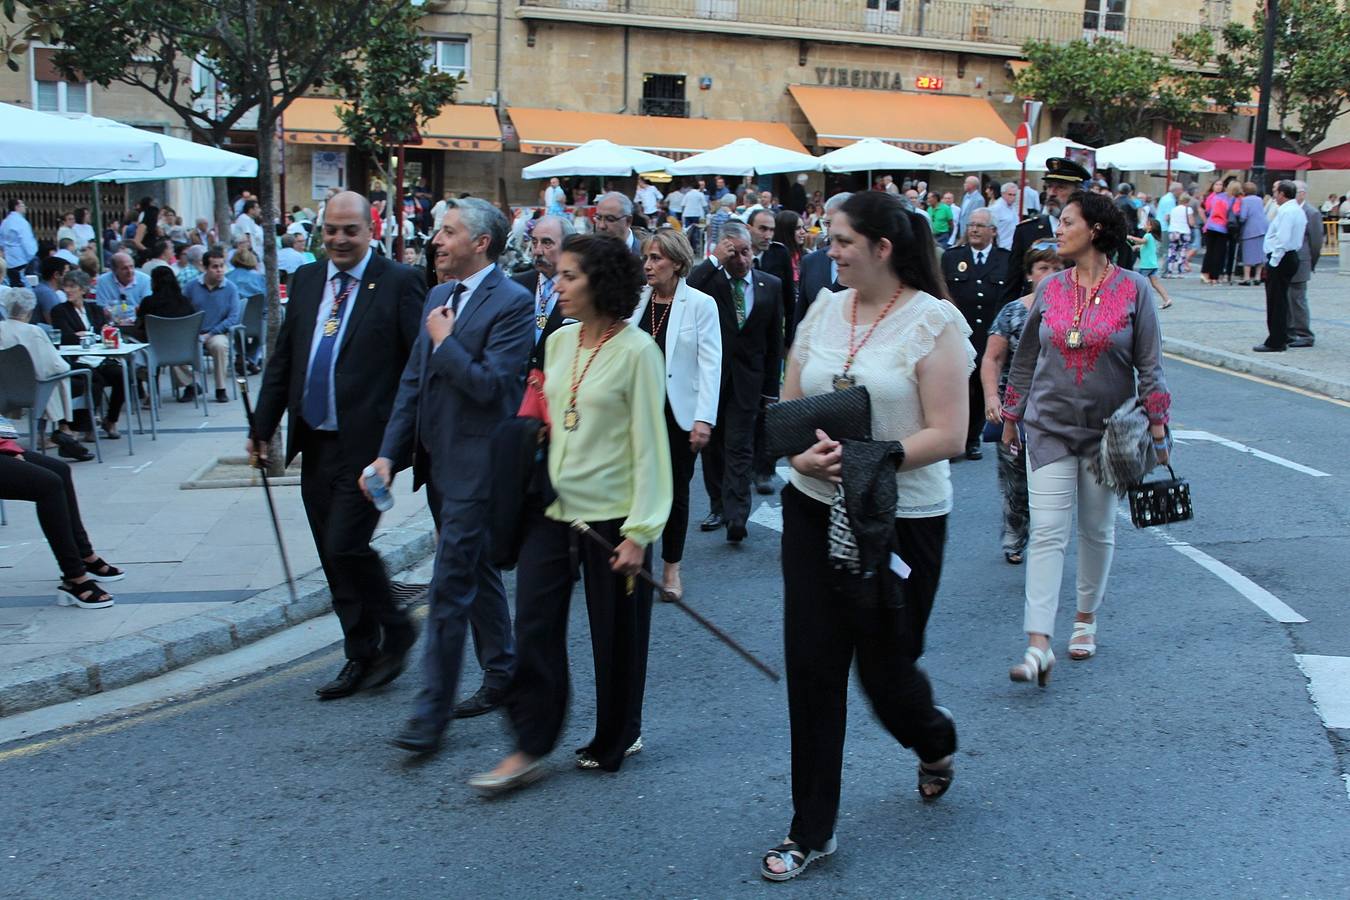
(609, 462)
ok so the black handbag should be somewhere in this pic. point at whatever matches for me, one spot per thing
(790, 425)
(1161, 502)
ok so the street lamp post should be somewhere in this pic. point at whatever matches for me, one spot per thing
(1263, 103)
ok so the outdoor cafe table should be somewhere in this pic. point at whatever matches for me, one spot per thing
(126, 353)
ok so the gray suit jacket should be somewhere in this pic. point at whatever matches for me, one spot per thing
(451, 399)
(1311, 250)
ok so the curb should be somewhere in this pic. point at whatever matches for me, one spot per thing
(161, 648)
(1287, 375)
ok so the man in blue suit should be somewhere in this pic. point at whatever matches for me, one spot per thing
(463, 379)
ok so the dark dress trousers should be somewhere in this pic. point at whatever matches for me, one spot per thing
(451, 399)
(529, 280)
(751, 356)
(107, 375)
(815, 275)
(381, 327)
(978, 291)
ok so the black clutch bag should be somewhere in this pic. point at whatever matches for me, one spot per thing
(1161, 502)
(790, 426)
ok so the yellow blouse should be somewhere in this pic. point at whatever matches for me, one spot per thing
(616, 465)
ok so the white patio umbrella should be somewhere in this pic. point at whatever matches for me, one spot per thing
(51, 149)
(745, 156)
(1140, 154)
(598, 158)
(870, 154)
(979, 154)
(182, 159)
(1037, 154)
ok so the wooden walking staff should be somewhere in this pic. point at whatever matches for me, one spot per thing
(267, 490)
(716, 632)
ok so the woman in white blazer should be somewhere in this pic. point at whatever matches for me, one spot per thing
(685, 325)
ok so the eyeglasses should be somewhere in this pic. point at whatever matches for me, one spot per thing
(978, 225)
(610, 220)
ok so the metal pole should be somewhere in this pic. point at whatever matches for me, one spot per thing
(398, 200)
(98, 226)
(1263, 104)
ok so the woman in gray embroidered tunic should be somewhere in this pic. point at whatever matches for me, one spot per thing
(1091, 341)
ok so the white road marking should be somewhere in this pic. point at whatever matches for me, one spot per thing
(142, 467)
(1243, 448)
(1267, 602)
(1329, 685)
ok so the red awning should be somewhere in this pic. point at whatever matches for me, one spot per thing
(1337, 157)
(1227, 153)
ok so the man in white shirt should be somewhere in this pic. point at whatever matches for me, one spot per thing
(675, 202)
(67, 251)
(647, 197)
(1031, 201)
(161, 254)
(248, 225)
(971, 200)
(1168, 202)
(1004, 211)
(695, 207)
(17, 241)
(292, 255)
(1284, 237)
(121, 289)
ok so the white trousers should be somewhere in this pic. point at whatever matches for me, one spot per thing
(1054, 491)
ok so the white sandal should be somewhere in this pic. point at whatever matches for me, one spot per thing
(1086, 650)
(794, 857)
(1035, 666)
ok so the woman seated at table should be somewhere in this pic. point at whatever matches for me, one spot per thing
(25, 475)
(75, 318)
(246, 273)
(16, 307)
(166, 301)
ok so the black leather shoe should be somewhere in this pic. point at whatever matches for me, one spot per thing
(392, 659)
(189, 394)
(484, 700)
(418, 736)
(973, 451)
(1262, 348)
(712, 523)
(347, 682)
(735, 533)
(1301, 342)
(222, 396)
(764, 485)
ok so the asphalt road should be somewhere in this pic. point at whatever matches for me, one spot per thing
(1187, 758)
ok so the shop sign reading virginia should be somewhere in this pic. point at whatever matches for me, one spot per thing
(869, 79)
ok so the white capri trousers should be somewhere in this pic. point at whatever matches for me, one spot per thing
(1054, 491)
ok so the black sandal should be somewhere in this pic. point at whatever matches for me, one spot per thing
(85, 595)
(933, 776)
(104, 570)
(794, 857)
(1014, 559)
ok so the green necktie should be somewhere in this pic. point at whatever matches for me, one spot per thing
(738, 288)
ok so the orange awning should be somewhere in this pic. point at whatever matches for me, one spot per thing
(918, 122)
(313, 120)
(546, 132)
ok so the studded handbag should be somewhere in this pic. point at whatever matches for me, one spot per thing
(790, 425)
(1161, 502)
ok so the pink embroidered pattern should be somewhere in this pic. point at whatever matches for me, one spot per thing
(1158, 406)
(1099, 322)
(1010, 400)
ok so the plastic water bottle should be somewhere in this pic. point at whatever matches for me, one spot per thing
(379, 490)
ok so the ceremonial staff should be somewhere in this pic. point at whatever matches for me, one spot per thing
(716, 632)
(261, 466)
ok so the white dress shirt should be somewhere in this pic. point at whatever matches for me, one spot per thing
(1285, 234)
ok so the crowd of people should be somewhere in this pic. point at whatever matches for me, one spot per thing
(555, 416)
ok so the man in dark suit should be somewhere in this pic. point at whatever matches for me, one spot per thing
(817, 269)
(1300, 322)
(614, 217)
(349, 328)
(750, 306)
(546, 239)
(977, 275)
(462, 380)
(774, 258)
(1062, 178)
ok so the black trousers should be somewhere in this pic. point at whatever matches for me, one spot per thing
(46, 482)
(620, 623)
(975, 427)
(1278, 279)
(1216, 253)
(343, 522)
(727, 462)
(107, 376)
(682, 471)
(764, 465)
(823, 631)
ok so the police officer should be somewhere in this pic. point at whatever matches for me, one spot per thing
(977, 276)
(1062, 178)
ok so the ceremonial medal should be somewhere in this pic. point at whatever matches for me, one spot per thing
(1074, 339)
(541, 321)
(571, 418)
(572, 415)
(962, 266)
(330, 327)
(843, 382)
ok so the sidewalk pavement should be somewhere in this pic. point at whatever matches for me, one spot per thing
(1220, 325)
(203, 570)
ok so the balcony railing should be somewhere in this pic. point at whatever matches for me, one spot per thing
(664, 106)
(981, 23)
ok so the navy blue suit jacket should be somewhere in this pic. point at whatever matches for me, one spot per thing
(452, 398)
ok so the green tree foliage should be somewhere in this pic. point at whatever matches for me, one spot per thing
(1312, 66)
(1117, 90)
